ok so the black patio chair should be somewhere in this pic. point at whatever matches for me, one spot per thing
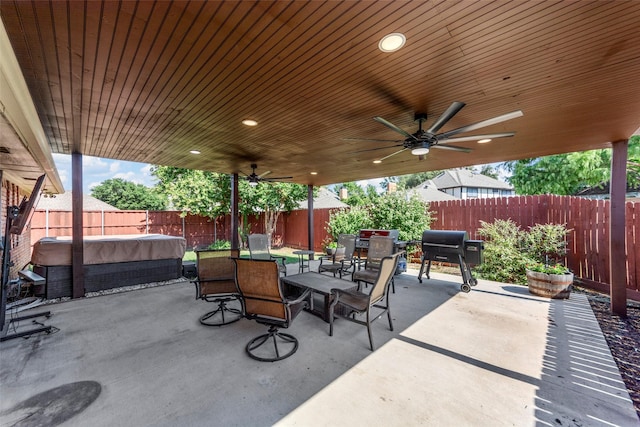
(353, 302)
(340, 264)
(379, 247)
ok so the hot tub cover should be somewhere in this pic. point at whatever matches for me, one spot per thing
(50, 251)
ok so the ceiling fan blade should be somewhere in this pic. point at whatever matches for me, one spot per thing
(452, 148)
(446, 116)
(489, 122)
(375, 149)
(476, 137)
(264, 174)
(371, 140)
(277, 178)
(395, 128)
(393, 154)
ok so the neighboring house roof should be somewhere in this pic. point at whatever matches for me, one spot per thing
(324, 200)
(62, 202)
(603, 189)
(428, 192)
(466, 178)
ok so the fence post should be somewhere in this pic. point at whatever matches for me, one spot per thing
(102, 221)
(146, 228)
(46, 222)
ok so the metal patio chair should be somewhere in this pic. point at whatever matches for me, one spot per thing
(340, 264)
(264, 301)
(352, 302)
(259, 249)
(215, 282)
(379, 247)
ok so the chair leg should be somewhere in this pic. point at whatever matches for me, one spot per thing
(275, 335)
(331, 320)
(369, 328)
(220, 311)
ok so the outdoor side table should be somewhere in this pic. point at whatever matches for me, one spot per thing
(301, 260)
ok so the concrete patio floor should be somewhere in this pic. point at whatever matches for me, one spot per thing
(495, 356)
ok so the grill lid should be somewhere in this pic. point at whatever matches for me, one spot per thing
(444, 238)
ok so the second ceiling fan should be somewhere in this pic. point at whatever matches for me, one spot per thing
(422, 140)
(254, 179)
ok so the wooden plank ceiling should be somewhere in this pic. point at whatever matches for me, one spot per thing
(150, 81)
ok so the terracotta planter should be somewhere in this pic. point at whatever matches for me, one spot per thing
(557, 286)
(337, 251)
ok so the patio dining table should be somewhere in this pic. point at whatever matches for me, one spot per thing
(320, 284)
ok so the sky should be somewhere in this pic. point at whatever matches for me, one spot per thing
(96, 170)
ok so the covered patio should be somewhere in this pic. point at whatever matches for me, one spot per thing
(495, 356)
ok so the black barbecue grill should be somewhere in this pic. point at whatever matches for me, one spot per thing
(362, 242)
(453, 247)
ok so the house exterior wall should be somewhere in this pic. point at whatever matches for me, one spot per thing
(477, 193)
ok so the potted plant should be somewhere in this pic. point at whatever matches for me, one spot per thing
(332, 248)
(549, 280)
(545, 246)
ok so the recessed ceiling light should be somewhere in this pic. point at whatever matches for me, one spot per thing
(249, 122)
(313, 173)
(420, 151)
(392, 42)
(377, 161)
(194, 152)
(484, 141)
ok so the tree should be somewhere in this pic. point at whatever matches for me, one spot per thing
(127, 195)
(209, 194)
(356, 195)
(567, 174)
(198, 192)
(274, 198)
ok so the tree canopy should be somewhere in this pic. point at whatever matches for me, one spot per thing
(127, 195)
(209, 194)
(567, 174)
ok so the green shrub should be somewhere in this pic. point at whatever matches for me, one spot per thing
(545, 243)
(395, 212)
(504, 258)
(220, 244)
(348, 221)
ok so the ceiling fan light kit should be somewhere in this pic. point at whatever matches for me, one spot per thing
(420, 151)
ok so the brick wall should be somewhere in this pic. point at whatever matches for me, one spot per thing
(20, 245)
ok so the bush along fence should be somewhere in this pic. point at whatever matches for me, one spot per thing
(587, 221)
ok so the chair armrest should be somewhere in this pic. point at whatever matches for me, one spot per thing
(278, 257)
(300, 297)
(326, 258)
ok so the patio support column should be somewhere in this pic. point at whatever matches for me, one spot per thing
(77, 256)
(310, 218)
(234, 212)
(617, 255)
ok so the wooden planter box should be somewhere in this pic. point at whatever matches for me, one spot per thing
(557, 286)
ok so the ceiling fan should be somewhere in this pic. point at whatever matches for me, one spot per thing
(254, 178)
(422, 141)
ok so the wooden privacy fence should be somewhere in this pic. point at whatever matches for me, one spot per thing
(291, 229)
(587, 220)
